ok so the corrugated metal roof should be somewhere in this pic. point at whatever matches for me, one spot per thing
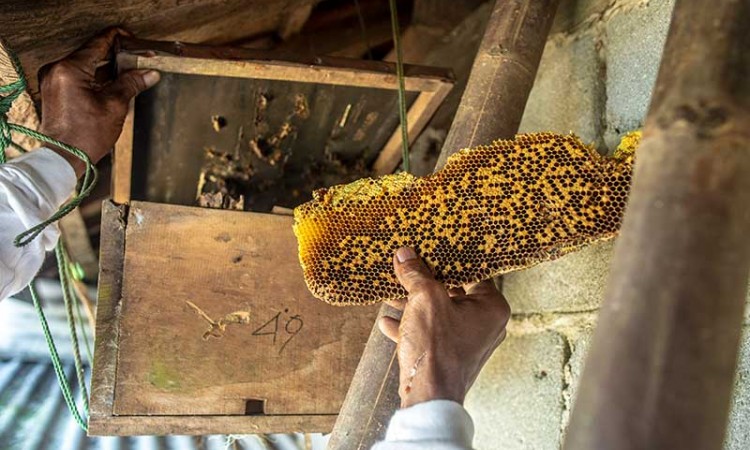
(33, 414)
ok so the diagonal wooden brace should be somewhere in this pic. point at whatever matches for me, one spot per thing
(491, 108)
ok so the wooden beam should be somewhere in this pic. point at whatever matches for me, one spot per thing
(432, 21)
(419, 115)
(456, 48)
(502, 76)
(661, 367)
(107, 315)
(293, 21)
(287, 71)
(29, 32)
(499, 84)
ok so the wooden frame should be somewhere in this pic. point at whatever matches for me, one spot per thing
(432, 84)
(136, 304)
(113, 409)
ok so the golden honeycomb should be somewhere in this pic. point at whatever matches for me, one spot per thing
(492, 209)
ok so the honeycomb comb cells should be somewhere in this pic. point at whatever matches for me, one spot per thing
(492, 209)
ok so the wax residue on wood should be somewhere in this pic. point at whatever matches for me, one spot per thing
(219, 327)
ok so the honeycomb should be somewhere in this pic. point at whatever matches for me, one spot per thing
(492, 209)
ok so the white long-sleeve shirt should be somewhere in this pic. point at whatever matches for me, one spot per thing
(32, 188)
(35, 185)
(435, 425)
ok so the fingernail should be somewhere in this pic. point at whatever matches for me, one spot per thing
(151, 77)
(405, 254)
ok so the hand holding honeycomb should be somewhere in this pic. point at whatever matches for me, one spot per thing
(492, 209)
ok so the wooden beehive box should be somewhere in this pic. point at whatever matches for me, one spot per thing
(204, 322)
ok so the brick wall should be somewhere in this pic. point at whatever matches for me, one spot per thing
(595, 79)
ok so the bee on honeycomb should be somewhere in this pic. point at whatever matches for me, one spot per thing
(492, 209)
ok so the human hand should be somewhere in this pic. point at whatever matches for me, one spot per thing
(83, 109)
(444, 338)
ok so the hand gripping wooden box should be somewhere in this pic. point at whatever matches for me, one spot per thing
(204, 322)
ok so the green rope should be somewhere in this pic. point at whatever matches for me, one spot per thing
(401, 86)
(8, 94)
(68, 296)
(82, 324)
(62, 380)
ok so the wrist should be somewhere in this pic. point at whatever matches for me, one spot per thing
(430, 383)
(79, 167)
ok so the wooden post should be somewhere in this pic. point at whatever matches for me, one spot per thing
(502, 76)
(491, 108)
(661, 367)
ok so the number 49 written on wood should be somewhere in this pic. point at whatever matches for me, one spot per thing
(288, 326)
(291, 327)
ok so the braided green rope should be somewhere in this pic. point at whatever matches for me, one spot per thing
(8, 94)
(401, 86)
(68, 296)
(56, 363)
(79, 314)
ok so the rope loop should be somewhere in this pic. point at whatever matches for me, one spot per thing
(8, 94)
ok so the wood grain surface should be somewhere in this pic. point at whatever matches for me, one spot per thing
(295, 353)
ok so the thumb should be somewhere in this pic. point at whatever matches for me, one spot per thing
(415, 276)
(133, 82)
(389, 327)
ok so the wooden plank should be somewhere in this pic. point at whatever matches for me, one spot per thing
(27, 27)
(420, 113)
(122, 156)
(287, 71)
(112, 248)
(181, 259)
(230, 53)
(201, 425)
(122, 159)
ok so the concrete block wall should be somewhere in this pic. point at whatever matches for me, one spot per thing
(595, 79)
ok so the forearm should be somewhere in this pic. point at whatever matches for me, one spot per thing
(32, 188)
(437, 424)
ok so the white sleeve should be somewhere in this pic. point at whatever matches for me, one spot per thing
(434, 425)
(32, 188)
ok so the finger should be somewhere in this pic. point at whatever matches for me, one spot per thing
(398, 303)
(389, 327)
(416, 277)
(98, 47)
(89, 56)
(456, 292)
(133, 82)
(483, 287)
